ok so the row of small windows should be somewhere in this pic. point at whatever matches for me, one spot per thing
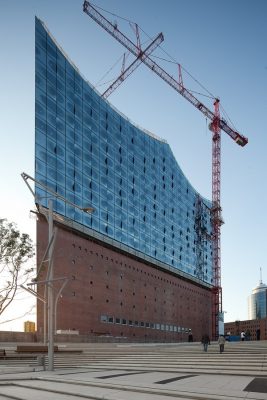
(56, 169)
(77, 187)
(114, 180)
(142, 324)
(126, 225)
(122, 202)
(62, 152)
(134, 268)
(69, 179)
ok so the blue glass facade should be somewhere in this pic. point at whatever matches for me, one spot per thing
(257, 302)
(93, 156)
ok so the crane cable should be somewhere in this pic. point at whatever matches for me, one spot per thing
(171, 60)
(98, 83)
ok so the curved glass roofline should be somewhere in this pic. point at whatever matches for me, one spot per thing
(153, 135)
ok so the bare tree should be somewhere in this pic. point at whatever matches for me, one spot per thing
(16, 249)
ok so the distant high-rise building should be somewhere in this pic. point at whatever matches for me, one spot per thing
(257, 302)
(29, 326)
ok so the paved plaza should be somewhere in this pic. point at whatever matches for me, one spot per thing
(140, 371)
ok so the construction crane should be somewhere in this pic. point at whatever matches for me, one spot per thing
(140, 57)
(217, 124)
(202, 236)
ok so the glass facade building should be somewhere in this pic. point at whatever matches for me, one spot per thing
(92, 155)
(257, 302)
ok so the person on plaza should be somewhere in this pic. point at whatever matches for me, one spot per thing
(190, 337)
(205, 341)
(221, 342)
(242, 335)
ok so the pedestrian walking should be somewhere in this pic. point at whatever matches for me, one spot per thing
(221, 342)
(190, 337)
(205, 341)
(243, 335)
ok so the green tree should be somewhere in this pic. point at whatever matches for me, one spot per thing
(16, 249)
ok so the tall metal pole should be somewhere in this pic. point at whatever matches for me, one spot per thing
(49, 303)
(50, 293)
(216, 220)
(45, 315)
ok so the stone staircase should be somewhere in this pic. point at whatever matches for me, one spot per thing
(245, 358)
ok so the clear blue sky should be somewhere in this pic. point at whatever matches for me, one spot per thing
(222, 44)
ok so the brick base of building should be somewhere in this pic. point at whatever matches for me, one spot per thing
(112, 294)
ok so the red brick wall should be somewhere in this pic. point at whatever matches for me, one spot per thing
(236, 327)
(103, 281)
(8, 336)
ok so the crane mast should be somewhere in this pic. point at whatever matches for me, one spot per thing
(217, 125)
(216, 220)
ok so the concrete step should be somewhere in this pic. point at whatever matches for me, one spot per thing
(174, 358)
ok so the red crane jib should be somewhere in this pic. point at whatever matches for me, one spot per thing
(113, 30)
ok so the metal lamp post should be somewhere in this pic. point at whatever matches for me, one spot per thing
(50, 278)
(50, 275)
(50, 293)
